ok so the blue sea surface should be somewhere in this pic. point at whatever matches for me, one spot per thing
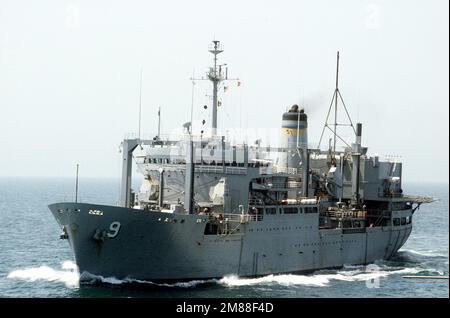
(34, 262)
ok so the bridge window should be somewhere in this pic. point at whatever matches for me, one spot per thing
(396, 221)
(408, 219)
(290, 210)
(403, 221)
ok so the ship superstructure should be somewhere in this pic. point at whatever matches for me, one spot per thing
(210, 206)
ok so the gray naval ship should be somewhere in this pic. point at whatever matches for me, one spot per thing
(210, 207)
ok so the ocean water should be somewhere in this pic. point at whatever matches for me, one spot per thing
(34, 262)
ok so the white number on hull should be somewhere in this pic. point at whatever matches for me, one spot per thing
(114, 229)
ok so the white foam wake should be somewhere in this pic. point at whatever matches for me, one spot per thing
(288, 279)
(67, 275)
(428, 253)
(319, 279)
(89, 278)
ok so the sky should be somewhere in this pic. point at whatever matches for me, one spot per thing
(70, 75)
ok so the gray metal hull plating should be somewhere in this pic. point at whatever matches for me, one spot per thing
(160, 246)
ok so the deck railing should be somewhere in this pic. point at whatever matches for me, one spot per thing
(238, 218)
(382, 194)
(235, 170)
(285, 185)
(285, 170)
(346, 214)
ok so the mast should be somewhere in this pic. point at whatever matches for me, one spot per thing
(356, 159)
(215, 76)
(336, 91)
(140, 104)
(76, 185)
(334, 101)
(159, 123)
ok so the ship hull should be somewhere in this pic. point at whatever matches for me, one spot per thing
(148, 245)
